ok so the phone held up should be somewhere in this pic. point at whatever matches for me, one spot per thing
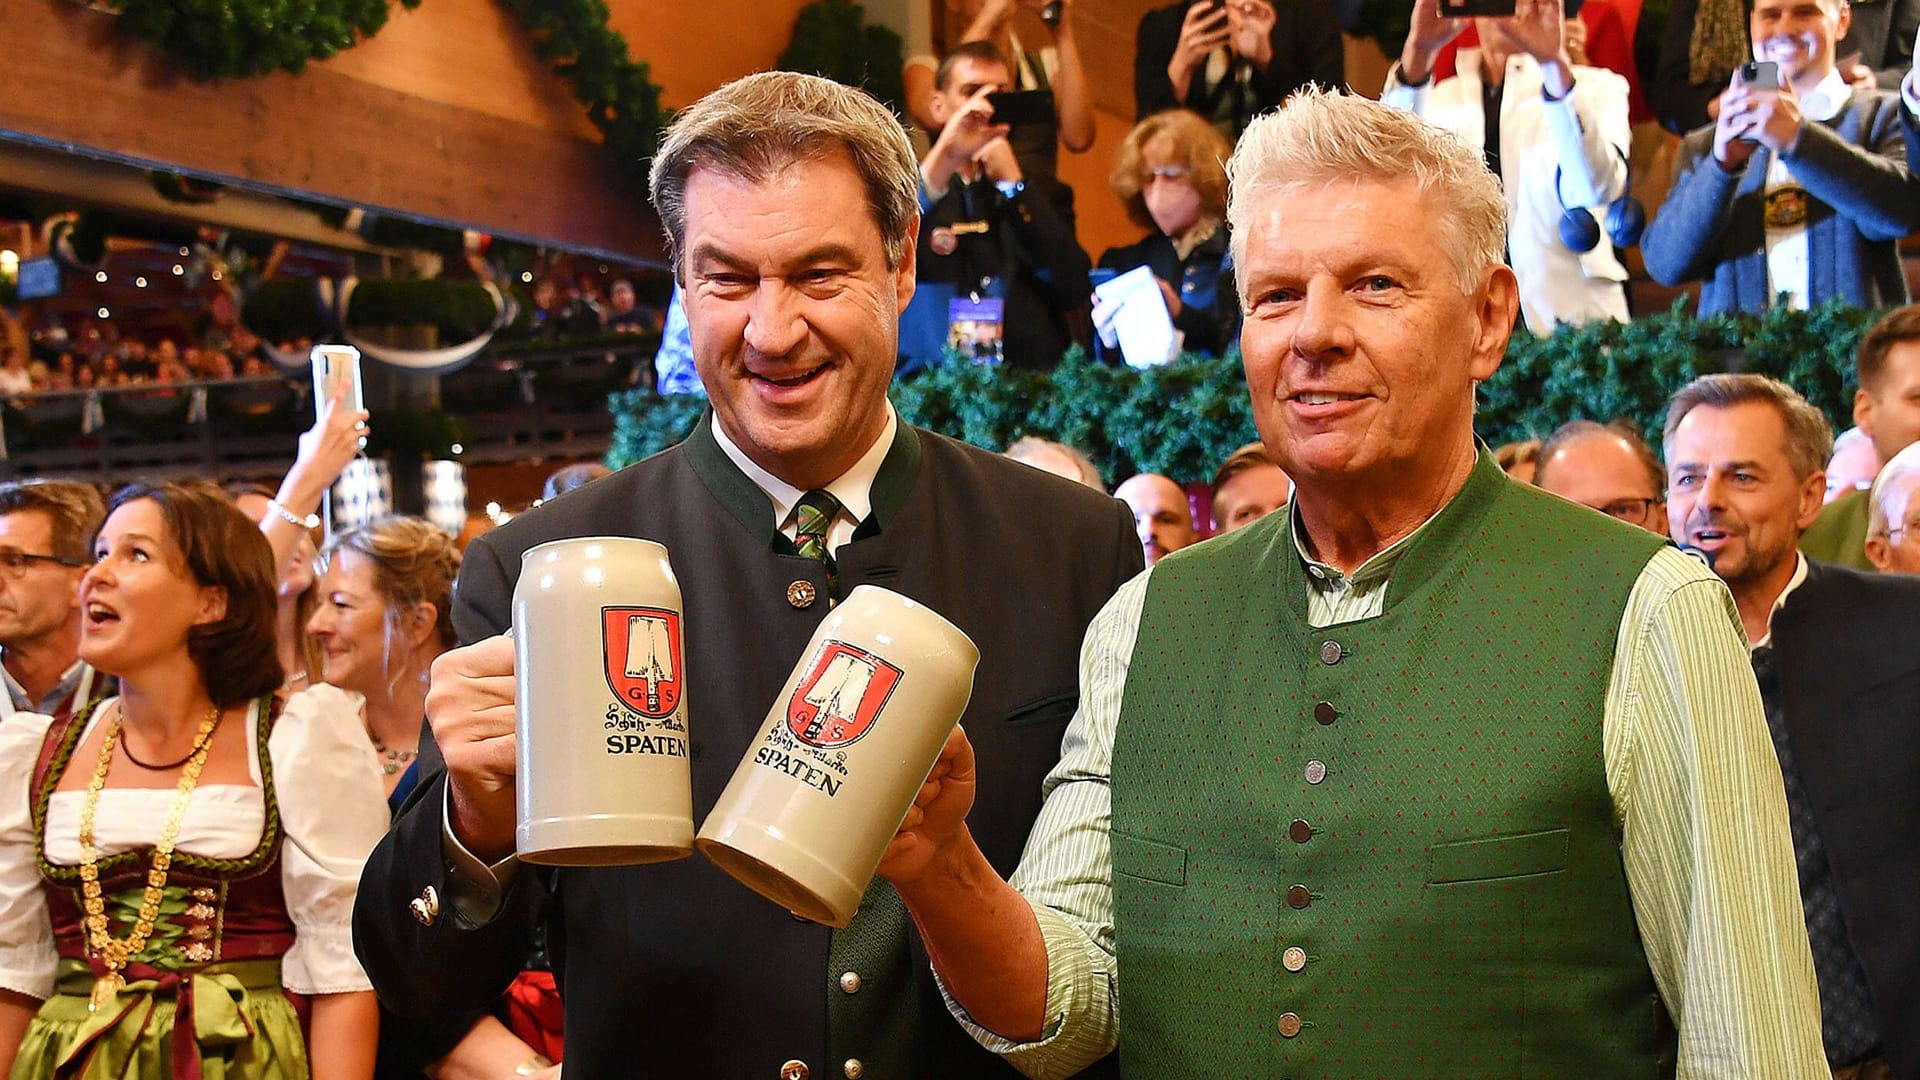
(1477, 9)
(1760, 75)
(335, 367)
(1018, 108)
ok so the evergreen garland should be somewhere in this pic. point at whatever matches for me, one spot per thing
(1183, 419)
(832, 38)
(222, 39)
(620, 97)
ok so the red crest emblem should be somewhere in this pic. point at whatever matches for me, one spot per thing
(841, 696)
(642, 649)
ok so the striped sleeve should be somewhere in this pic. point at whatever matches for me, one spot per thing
(1709, 859)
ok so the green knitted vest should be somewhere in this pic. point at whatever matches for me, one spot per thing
(1384, 848)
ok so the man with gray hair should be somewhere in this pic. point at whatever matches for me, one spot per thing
(1893, 515)
(45, 526)
(1606, 468)
(1434, 775)
(789, 206)
(1842, 700)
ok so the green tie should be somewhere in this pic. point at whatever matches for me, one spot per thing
(811, 519)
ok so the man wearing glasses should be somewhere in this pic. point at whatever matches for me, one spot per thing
(1606, 467)
(1893, 528)
(44, 529)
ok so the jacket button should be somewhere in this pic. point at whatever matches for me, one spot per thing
(853, 1069)
(1299, 831)
(1325, 712)
(794, 1070)
(850, 982)
(1289, 1025)
(1316, 771)
(426, 907)
(1330, 653)
(1294, 958)
(801, 594)
(1298, 897)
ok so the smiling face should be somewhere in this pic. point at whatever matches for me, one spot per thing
(139, 601)
(1732, 492)
(1799, 35)
(351, 625)
(1361, 348)
(794, 314)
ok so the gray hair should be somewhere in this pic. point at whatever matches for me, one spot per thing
(1903, 464)
(1322, 136)
(1809, 436)
(1030, 449)
(754, 127)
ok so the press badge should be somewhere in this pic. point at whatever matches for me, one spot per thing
(975, 327)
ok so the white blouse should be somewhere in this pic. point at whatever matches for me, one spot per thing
(332, 813)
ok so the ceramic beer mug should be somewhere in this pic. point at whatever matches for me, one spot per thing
(600, 700)
(833, 772)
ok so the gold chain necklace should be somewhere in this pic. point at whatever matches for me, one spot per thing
(115, 953)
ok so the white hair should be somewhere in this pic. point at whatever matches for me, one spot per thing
(1322, 136)
(1903, 464)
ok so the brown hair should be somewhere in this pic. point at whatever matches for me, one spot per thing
(1575, 430)
(1514, 454)
(754, 127)
(1251, 456)
(235, 655)
(1809, 436)
(1194, 143)
(1899, 326)
(75, 509)
(986, 52)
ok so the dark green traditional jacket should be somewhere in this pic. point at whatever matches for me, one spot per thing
(1838, 536)
(1385, 848)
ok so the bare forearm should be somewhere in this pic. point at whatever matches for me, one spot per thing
(16, 1012)
(986, 25)
(984, 942)
(346, 1034)
(1070, 91)
(487, 1052)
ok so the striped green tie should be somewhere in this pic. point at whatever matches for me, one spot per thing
(811, 518)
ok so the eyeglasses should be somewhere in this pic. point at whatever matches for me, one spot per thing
(15, 563)
(1909, 525)
(1165, 172)
(1633, 511)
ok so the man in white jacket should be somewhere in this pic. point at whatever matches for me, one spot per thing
(1541, 121)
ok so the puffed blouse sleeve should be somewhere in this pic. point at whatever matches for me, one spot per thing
(333, 812)
(27, 957)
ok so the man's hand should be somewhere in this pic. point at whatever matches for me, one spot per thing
(938, 817)
(1428, 33)
(996, 159)
(1733, 140)
(1251, 24)
(1204, 29)
(1750, 116)
(1172, 296)
(470, 706)
(966, 134)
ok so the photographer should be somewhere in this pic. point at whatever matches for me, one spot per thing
(998, 266)
(1799, 192)
(1554, 132)
(1231, 60)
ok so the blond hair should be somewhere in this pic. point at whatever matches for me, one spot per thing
(1322, 136)
(1192, 142)
(413, 563)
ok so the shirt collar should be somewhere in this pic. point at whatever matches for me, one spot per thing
(1799, 577)
(1373, 571)
(854, 488)
(19, 701)
(1825, 101)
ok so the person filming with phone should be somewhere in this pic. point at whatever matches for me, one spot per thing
(999, 266)
(1555, 133)
(1800, 191)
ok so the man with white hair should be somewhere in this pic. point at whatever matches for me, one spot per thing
(1887, 408)
(1434, 775)
(1893, 515)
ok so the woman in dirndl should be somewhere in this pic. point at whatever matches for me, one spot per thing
(178, 863)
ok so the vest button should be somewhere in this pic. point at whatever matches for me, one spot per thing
(853, 1069)
(794, 1070)
(1298, 896)
(1289, 1025)
(1316, 771)
(850, 982)
(1294, 958)
(1325, 712)
(1330, 653)
(1300, 831)
(801, 594)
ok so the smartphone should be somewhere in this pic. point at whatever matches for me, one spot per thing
(1021, 107)
(1477, 9)
(1760, 75)
(336, 366)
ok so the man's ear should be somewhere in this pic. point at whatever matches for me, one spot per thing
(1813, 497)
(1863, 411)
(1499, 304)
(905, 275)
(937, 109)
